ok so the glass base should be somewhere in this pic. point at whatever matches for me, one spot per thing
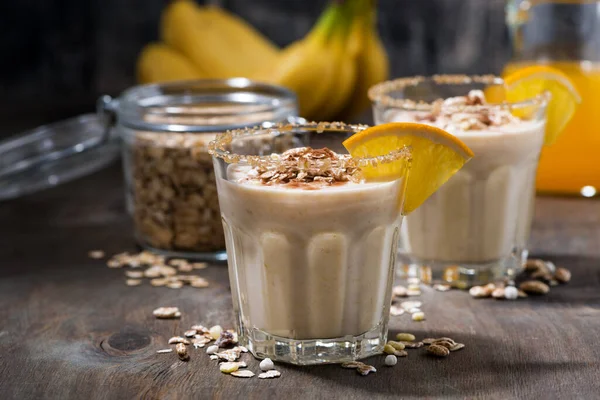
(315, 351)
(460, 275)
(215, 256)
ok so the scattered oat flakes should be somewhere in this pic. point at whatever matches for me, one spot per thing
(96, 254)
(167, 312)
(399, 291)
(407, 305)
(229, 355)
(199, 265)
(245, 373)
(396, 311)
(479, 292)
(134, 274)
(442, 287)
(159, 281)
(199, 282)
(133, 282)
(175, 285)
(200, 328)
(411, 345)
(212, 349)
(413, 292)
(164, 351)
(269, 374)
(181, 350)
(190, 333)
(185, 267)
(361, 368)
(414, 310)
(200, 342)
(457, 346)
(179, 339)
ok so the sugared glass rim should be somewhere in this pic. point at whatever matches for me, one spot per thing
(217, 147)
(379, 94)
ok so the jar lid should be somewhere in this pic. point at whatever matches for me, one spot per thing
(55, 153)
(208, 105)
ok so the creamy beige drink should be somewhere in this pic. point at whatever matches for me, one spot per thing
(483, 213)
(314, 247)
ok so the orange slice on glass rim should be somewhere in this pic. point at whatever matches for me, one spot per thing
(436, 155)
(531, 81)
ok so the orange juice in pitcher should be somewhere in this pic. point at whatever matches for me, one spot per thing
(564, 34)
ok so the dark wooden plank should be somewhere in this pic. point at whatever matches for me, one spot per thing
(70, 328)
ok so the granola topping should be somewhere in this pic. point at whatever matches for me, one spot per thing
(305, 167)
(459, 113)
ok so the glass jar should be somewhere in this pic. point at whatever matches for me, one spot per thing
(564, 35)
(170, 185)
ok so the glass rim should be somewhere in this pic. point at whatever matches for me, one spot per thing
(217, 147)
(380, 94)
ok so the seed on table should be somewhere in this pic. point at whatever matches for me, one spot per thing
(405, 337)
(182, 351)
(407, 305)
(215, 331)
(414, 310)
(212, 349)
(414, 286)
(163, 351)
(418, 316)
(190, 333)
(511, 293)
(199, 265)
(437, 350)
(133, 282)
(389, 349)
(412, 345)
(231, 366)
(498, 293)
(391, 360)
(175, 285)
(396, 345)
(266, 365)
(413, 292)
(562, 275)
(522, 294)
(534, 264)
(445, 343)
(534, 287)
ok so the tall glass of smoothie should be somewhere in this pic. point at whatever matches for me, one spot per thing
(475, 228)
(311, 242)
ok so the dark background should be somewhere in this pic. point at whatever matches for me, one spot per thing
(58, 56)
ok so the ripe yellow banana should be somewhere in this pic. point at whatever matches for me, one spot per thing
(344, 48)
(252, 47)
(159, 63)
(306, 66)
(204, 39)
(372, 65)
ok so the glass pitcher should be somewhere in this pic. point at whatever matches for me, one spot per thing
(564, 34)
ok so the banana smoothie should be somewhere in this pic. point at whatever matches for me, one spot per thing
(483, 213)
(313, 246)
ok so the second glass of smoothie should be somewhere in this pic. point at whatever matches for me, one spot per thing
(476, 227)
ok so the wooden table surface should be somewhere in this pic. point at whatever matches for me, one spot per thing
(71, 329)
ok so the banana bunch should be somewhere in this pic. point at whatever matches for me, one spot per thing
(330, 69)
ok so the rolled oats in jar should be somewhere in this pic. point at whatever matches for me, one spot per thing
(170, 183)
